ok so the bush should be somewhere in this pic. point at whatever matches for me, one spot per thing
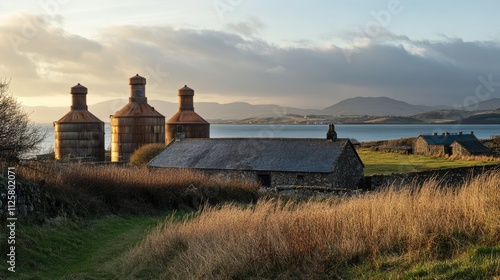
(146, 153)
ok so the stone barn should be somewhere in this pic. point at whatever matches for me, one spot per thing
(449, 144)
(274, 162)
(469, 148)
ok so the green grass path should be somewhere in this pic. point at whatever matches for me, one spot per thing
(65, 249)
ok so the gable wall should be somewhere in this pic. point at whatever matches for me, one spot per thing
(422, 148)
(459, 150)
(348, 171)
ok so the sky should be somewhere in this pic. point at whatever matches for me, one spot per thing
(306, 54)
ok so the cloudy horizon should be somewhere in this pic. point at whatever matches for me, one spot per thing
(307, 55)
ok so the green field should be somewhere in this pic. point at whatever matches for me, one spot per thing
(387, 163)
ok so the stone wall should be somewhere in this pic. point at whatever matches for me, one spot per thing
(422, 148)
(348, 170)
(448, 177)
(278, 179)
(31, 200)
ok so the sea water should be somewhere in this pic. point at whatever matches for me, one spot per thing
(360, 132)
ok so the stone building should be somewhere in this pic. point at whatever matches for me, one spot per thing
(274, 162)
(449, 144)
(469, 148)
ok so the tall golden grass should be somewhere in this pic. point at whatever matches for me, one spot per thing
(97, 190)
(473, 158)
(276, 239)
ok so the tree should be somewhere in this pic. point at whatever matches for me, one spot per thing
(18, 134)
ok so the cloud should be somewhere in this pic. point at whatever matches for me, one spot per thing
(234, 66)
(248, 29)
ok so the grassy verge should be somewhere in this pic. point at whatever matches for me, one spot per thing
(67, 249)
(429, 232)
(386, 163)
(476, 262)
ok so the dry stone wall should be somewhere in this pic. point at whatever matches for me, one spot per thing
(31, 200)
(449, 177)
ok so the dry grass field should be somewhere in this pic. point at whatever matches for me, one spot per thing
(390, 230)
(98, 190)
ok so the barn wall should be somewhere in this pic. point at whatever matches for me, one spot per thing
(287, 179)
(422, 148)
(348, 172)
(459, 150)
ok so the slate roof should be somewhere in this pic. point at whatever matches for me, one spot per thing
(256, 154)
(475, 147)
(448, 139)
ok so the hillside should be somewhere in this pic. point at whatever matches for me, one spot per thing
(490, 117)
(209, 110)
(352, 110)
(324, 119)
(461, 116)
(443, 116)
(376, 106)
(491, 104)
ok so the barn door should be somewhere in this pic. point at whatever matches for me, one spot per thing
(265, 180)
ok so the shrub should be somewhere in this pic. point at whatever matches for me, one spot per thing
(146, 153)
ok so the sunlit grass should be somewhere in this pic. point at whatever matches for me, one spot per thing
(386, 163)
(97, 190)
(332, 239)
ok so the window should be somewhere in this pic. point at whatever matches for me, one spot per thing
(264, 180)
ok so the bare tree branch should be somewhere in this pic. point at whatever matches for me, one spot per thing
(18, 134)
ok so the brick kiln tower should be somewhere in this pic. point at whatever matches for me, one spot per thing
(135, 124)
(186, 120)
(79, 134)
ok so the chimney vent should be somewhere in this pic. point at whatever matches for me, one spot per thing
(137, 89)
(331, 134)
(79, 97)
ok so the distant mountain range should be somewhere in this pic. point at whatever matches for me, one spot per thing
(377, 106)
(358, 106)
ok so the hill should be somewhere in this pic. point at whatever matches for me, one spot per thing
(377, 106)
(460, 116)
(209, 110)
(487, 105)
(352, 110)
(443, 116)
(491, 117)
